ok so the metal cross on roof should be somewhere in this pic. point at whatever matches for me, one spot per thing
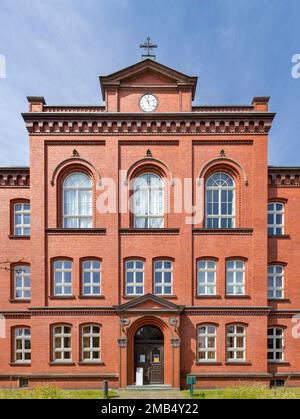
(148, 46)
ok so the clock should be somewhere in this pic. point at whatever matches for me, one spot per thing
(148, 103)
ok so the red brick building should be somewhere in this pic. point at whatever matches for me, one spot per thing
(89, 295)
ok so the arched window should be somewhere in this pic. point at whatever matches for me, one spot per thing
(220, 205)
(275, 282)
(236, 343)
(275, 344)
(207, 343)
(90, 344)
(148, 201)
(275, 218)
(77, 201)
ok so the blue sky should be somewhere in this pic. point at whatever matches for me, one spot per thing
(238, 48)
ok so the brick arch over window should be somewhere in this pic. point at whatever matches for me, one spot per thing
(60, 177)
(149, 164)
(66, 165)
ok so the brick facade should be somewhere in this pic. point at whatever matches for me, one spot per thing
(177, 141)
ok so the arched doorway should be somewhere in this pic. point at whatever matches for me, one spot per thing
(149, 354)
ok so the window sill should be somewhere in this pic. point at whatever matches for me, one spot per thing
(279, 300)
(238, 363)
(91, 297)
(280, 236)
(62, 364)
(13, 237)
(57, 297)
(87, 363)
(20, 364)
(237, 297)
(210, 297)
(282, 363)
(208, 363)
(13, 301)
(223, 231)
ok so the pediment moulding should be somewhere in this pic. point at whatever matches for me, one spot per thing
(181, 124)
(284, 177)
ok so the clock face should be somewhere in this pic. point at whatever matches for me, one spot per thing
(148, 103)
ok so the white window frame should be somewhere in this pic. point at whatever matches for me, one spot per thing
(234, 284)
(235, 335)
(63, 284)
(78, 217)
(21, 335)
(91, 284)
(62, 349)
(134, 270)
(274, 276)
(275, 212)
(207, 335)
(163, 284)
(90, 335)
(219, 188)
(208, 286)
(149, 191)
(20, 274)
(273, 337)
(21, 212)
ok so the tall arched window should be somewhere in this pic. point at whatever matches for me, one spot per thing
(220, 205)
(148, 201)
(77, 201)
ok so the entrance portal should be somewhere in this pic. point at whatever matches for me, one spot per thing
(149, 354)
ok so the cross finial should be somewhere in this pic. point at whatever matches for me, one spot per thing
(148, 46)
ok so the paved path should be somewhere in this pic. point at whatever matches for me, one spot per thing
(151, 394)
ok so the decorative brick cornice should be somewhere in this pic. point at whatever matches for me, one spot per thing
(223, 231)
(227, 311)
(224, 141)
(185, 123)
(14, 177)
(15, 314)
(234, 375)
(74, 376)
(149, 231)
(76, 231)
(284, 177)
(72, 311)
(284, 313)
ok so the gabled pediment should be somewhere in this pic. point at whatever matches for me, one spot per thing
(147, 72)
(149, 303)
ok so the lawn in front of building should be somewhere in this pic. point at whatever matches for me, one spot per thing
(247, 392)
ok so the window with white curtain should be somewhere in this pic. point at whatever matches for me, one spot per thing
(22, 219)
(275, 344)
(22, 287)
(275, 218)
(91, 343)
(134, 277)
(207, 272)
(62, 281)
(235, 277)
(22, 345)
(148, 208)
(207, 343)
(77, 201)
(236, 343)
(275, 281)
(163, 277)
(220, 201)
(62, 343)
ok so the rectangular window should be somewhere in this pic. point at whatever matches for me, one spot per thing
(62, 271)
(275, 282)
(91, 278)
(22, 345)
(134, 277)
(236, 343)
(207, 348)
(22, 289)
(275, 218)
(163, 277)
(22, 219)
(275, 344)
(235, 277)
(62, 346)
(91, 343)
(206, 277)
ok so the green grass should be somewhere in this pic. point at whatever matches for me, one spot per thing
(53, 393)
(256, 391)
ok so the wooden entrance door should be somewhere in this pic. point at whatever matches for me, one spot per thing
(149, 354)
